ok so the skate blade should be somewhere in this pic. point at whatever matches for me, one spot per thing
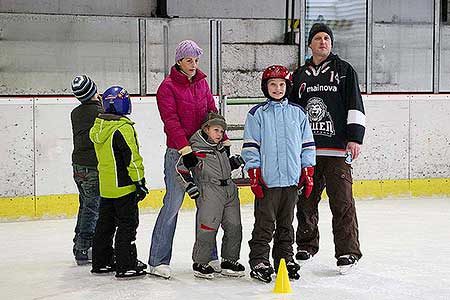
(83, 262)
(130, 277)
(265, 280)
(230, 273)
(205, 276)
(159, 275)
(344, 270)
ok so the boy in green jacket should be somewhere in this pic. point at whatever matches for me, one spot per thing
(122, 186)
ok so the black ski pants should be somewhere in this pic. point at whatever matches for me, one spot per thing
(119, 217)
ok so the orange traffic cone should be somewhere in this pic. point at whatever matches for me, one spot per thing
(282, 284)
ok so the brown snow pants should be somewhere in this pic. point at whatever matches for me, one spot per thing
(335, 175)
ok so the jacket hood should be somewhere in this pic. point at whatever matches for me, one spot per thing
(105, 125)
(199, 140)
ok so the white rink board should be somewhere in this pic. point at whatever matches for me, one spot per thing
(407, 137)
(16, 147)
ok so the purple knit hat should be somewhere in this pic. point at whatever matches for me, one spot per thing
(187, 48)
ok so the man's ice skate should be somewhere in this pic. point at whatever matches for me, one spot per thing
(232, 268)
(303, 257)
(293, 268)
(347, 263)
(215, 264)
(103, 270)
(203, 271)
(163, 271)
(262, 272)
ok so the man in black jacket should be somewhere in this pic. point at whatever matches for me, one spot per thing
(84, 162)
(327, 87)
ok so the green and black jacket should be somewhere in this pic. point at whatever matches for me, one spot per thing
(117, 149)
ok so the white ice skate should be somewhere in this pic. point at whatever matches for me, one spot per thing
(161, 271)
(215, 264)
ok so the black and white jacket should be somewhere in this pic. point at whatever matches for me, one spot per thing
(330, 94)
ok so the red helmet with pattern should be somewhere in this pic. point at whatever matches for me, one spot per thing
(276, 71)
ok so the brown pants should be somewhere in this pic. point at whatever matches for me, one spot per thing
(273, 213)
(334, 174)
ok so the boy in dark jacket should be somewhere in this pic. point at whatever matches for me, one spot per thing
(122, 186)
(216, 197)
(84, 163)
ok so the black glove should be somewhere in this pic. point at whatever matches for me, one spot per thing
(236, 161)
(192, 190)
(141, 190)
(228, 150)
(190, 160)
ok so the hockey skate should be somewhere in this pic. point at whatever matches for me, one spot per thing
(303, 257)
(346, 263)
(137, 271)
(103, 270)
(232, 268)
(203, 271)
(262, 272)
(293, 268)
(83, 257)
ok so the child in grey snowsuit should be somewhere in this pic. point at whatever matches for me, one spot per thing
(216, 198)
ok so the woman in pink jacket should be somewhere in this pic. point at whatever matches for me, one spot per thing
(184, 100)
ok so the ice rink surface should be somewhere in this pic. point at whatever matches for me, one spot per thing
(405, 243)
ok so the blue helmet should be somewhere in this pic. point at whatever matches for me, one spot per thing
(116, 100)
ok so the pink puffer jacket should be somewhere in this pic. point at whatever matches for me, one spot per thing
(183, 106)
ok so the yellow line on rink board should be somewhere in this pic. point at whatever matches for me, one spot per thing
(66, 206)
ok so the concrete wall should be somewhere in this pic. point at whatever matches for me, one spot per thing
(82, 7)
(249, 9)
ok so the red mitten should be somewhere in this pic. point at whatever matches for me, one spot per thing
(307, 179)
(256, 182)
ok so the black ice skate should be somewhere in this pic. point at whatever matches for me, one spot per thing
(293, 268)
(262, 272)
(303, 256)
(134, 273)
(83, 257)
(203, 271)
(103, 270)
(232, 268)
(346, 263)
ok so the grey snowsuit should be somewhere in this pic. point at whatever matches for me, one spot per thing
(218, 203)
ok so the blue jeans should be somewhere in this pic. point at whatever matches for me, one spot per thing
(89, 198)
(164, 230)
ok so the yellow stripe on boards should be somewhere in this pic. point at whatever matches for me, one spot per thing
(57, 206)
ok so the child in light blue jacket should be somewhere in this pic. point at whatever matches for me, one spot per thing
(279, 155)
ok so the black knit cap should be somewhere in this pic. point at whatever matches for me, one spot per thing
(83, 88)
(320, 27)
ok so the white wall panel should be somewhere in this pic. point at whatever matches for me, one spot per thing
(385, 152)
(53, 142)
(430, 136)
(16, 147)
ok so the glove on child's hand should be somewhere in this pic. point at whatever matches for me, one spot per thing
(236, 161)
(307, 179)
(190, 160)
(256, 182)
(141, 189)
(192, 190)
